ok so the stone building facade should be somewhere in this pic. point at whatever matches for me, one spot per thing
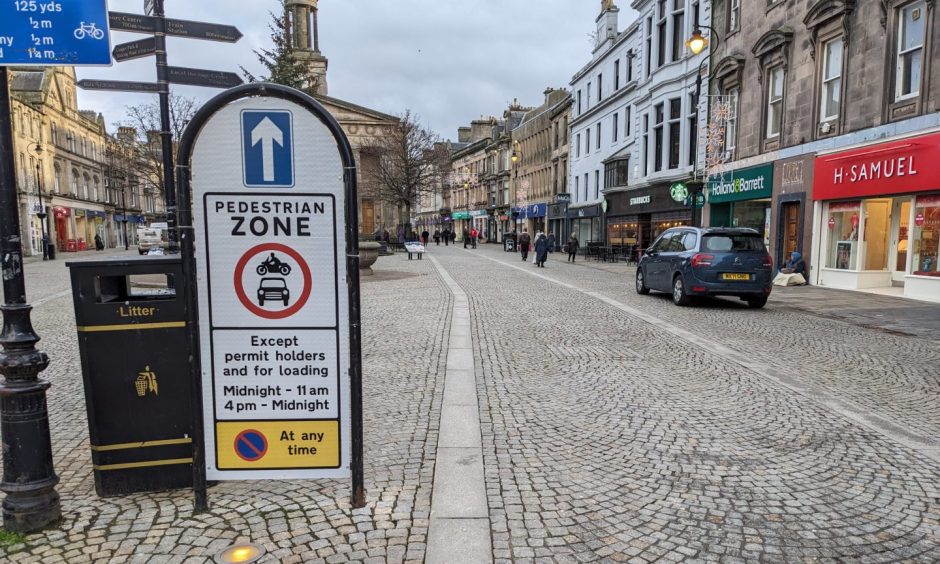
(60, 155)
(560, 115)
(532, 173)
(813, 83)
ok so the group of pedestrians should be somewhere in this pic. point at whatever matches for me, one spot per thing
(543, 244)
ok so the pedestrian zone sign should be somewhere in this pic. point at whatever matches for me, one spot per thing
(273, 300)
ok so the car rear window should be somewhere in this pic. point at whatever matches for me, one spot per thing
(732, 243)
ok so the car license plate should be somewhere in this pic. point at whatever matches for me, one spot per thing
(735, 276)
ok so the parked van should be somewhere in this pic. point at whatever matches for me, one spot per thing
(149, 238)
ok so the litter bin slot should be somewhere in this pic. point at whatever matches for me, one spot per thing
(134, 288)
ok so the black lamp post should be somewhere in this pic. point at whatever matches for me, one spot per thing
(697, 44)
(29, 478)
(41, 214)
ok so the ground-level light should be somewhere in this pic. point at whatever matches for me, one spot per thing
(240, 553)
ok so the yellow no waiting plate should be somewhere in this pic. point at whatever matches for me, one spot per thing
(735, 276)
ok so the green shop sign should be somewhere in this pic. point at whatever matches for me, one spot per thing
(460, 215)
(744, 184)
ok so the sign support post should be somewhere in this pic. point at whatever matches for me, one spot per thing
(270, 228)
(166, 136)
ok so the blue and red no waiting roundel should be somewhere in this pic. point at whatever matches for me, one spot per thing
(251, 445)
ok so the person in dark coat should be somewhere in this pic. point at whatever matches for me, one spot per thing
(424, 237)
(573, 245)
(453, 236)
(99, 244)
(466, 237)
(524, 242)
(551, 242)
(541, 250)
(446, 236)
(437, 237)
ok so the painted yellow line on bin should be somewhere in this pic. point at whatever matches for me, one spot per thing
(131, 327)
(144, 444)
(146, 464)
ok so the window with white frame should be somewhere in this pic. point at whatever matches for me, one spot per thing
(646, 144)
(588, 106)
(678, 29)
(661, 34)
(734, 15)
(627, 119)
(910, 47)
(616, 127)
(587, 141)
(659, 137)
(598, 135)
(577, 188)
(617, 75)
(774, 101)
(577, 146)
(649, 46)
(579, 102)
(74, 182)
(831, 80)
(597, 184)
(693, 129)
(731, 122)
(600, 87)
(675, 131)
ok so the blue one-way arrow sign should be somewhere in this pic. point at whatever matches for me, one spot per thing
(267, 148)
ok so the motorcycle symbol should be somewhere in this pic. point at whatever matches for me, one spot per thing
(273, 265)
(91, 30)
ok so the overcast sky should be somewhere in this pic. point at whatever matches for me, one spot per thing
(449, 61)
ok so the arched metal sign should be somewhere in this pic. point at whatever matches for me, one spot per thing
(268, 224)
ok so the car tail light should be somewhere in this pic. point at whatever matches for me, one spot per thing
(701, 259)
(699, 288)
(768, 262)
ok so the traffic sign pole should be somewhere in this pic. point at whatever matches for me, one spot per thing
(166, 136)
(29, 478)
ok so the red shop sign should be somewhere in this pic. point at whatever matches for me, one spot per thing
(832, 223)
(897, 167)
(919, 219)
(61, 212)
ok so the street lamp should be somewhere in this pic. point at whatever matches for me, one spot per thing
(696, 44)
(41, 214)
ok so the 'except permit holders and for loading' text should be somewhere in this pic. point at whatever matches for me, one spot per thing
(276, 374)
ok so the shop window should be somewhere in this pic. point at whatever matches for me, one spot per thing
(843, 222)
(910, 46)
(622, 233)
(926, 236)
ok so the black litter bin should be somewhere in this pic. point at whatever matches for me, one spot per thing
(509, 242)
(134, 350)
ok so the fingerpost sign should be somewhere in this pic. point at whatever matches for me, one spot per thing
(273, 263)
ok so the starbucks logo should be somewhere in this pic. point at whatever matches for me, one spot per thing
(679, 192)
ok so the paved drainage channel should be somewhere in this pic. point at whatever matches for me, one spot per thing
(923, 445)
(459, 531)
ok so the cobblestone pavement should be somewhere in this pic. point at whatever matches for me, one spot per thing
(405, 321)
(605, 436)
(607, 439)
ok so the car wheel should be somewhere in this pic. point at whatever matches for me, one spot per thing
(641, 282)
(260, 301)
(679, 297)
(286, 301)
(757, 303)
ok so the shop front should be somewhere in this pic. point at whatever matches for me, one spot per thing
(479, 220)
(586, 223)
(879, 217)
(64, 228)
(461, 222)
(531, 217)
(556, 214)
(636, 217)
(742, 198)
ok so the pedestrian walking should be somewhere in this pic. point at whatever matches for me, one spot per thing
(424, 237)
(473, 237)
(453, 236)
(551, 242)
(466, 237)
(524, 241)
(541, 250)
(437, 237)
(573, 245)
(446, 236)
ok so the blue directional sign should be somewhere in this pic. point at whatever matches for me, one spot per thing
(267, 148)
(54, 32)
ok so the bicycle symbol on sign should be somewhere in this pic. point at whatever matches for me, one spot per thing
(90, 30)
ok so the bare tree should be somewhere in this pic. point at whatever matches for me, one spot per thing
(144, 119)
(411, 164)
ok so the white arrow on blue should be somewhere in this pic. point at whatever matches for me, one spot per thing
(267, 133)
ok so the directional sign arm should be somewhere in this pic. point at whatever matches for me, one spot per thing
(202, 77)
(135, 49)
(120, 85)
(267, 134)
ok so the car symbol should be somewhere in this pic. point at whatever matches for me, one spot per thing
(273, 289)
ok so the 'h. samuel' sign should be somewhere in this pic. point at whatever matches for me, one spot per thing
(744, 184)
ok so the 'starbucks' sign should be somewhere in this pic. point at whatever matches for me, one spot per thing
(744, 184)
